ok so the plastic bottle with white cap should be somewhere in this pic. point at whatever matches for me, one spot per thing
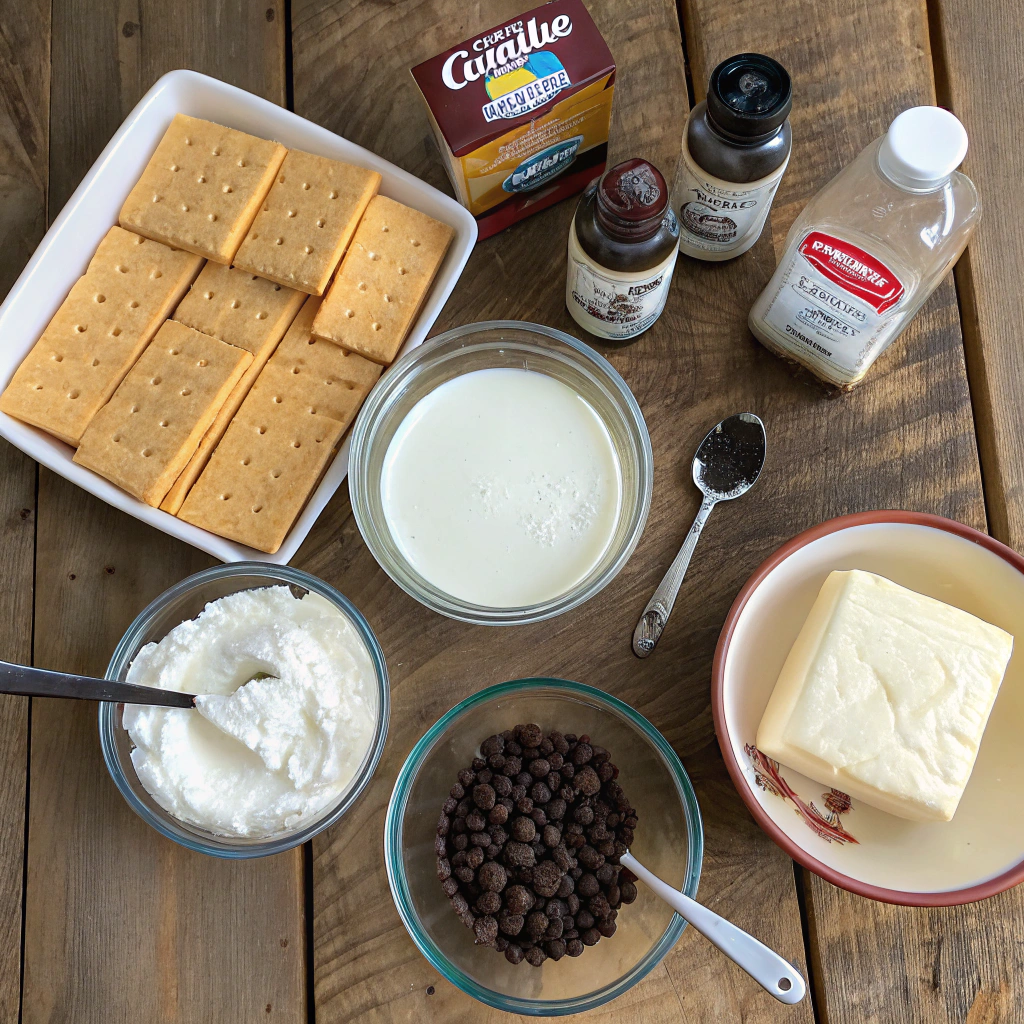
(869, 248)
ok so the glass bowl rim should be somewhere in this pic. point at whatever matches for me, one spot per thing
(435, 599)
(221, 846)
(398, 883)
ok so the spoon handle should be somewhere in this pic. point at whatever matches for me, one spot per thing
(764, 965)
(40, 682)
(659, 608)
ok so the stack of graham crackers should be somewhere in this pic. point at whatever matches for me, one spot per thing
(195, 364)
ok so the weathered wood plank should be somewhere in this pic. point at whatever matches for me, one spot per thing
(686, 372)
(904, 441)
(24, 127)
(974, 42)
(120, 923)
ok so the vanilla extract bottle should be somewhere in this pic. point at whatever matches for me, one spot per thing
(869, 248)
(623, 244)
(735, 150)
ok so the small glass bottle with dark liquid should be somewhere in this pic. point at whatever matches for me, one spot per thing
(623, 244)
(734, 153)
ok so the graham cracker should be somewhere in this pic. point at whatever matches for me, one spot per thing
(143, 437)
(241, 309)
(330, 380)
(262, 472)
(202, 187)
(383, 280)
(101, 328)
(307, 221)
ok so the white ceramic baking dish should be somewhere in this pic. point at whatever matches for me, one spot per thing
(66, 248)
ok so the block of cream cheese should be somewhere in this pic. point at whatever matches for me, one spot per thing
(886, 695)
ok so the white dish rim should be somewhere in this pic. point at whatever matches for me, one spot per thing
(980, 890)
(72, 238)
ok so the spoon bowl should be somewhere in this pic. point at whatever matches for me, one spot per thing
(731, 457)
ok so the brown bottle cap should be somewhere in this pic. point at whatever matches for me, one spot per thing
(631, 200)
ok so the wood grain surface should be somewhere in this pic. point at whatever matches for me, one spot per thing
(120, 923)
(907, 442)
(24, 129)
(976, 46)
(366, 967)
(697, 364)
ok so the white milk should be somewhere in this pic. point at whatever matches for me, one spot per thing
(502, 488)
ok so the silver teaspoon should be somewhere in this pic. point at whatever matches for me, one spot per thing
(764, 965)
(40, 682)
(727, 464)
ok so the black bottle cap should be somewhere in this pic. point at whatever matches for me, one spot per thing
(749, 96)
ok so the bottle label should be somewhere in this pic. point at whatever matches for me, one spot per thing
(611, 307)
(833, 302)
(717, 216)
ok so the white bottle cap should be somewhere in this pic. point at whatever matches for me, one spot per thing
(922, 148)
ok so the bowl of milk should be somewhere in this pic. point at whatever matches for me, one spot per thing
(501, 473)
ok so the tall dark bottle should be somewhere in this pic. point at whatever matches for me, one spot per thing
(734, 153)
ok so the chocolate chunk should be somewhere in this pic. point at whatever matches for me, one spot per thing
(519, 855)
(519, 899)
(523, 829)
(492, 877)
(586, 781)
(484, 796)
(486, 930)
(487, 903)
(492, 745)
(555, 949)
(536, 923)
(529, 735)
(536, 956)
(546, 878)
(582, 754)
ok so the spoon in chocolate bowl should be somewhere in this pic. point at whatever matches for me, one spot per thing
(727, 464)
(774, 974)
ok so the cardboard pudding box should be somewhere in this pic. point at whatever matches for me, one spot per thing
(521, 112)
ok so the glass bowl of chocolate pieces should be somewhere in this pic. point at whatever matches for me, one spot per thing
(503, 838)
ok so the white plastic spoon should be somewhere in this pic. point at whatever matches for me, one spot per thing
(765, 966)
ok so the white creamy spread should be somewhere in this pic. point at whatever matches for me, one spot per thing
(886, 695)
(502, 487)
(285, 717)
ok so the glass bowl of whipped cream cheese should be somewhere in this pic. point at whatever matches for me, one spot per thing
(669, 839)
(501, 473)
(291, 717)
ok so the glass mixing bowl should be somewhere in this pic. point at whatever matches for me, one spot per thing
(186, 601)
(500, 343)
(669, 840)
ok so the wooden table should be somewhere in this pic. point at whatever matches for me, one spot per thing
(104, 921)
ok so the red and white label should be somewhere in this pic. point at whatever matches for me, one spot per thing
(833, 305)
(853, 269)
